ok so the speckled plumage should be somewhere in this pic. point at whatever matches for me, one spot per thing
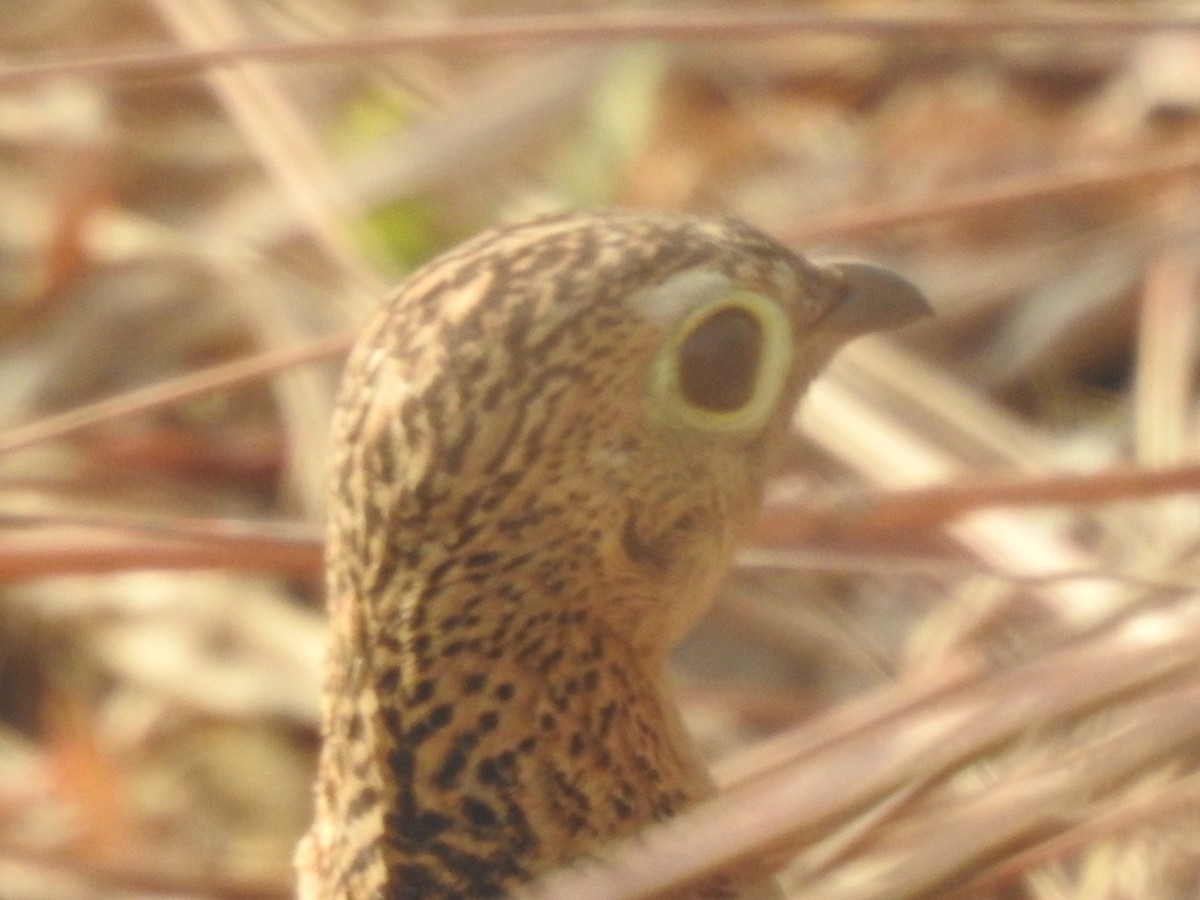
(518, 535)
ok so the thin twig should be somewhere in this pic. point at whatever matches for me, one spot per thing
(173, 391)
(75, 551)
(981, 198)
(927, 508)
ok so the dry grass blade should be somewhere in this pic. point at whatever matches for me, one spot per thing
(1166, 355)
(1116, 818)
(636, 25)
(287, 146)
(983, 199)
(74, 550)
(172, 391)
(875, 515)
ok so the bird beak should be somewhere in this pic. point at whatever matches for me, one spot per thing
(873, 299)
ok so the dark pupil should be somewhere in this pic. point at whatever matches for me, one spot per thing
(718, 363)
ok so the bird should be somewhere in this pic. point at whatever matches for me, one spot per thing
(545, 449)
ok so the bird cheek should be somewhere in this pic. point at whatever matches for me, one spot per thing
(677, 555)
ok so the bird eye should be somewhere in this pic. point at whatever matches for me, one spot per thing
(719, 359)
(723, 368)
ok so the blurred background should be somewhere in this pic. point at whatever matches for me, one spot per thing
(200, 203)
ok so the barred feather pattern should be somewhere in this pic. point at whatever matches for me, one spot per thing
(515, 542)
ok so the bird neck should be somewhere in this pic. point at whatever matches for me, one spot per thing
(475, 739)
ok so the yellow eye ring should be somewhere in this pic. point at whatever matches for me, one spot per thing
(725, 364)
